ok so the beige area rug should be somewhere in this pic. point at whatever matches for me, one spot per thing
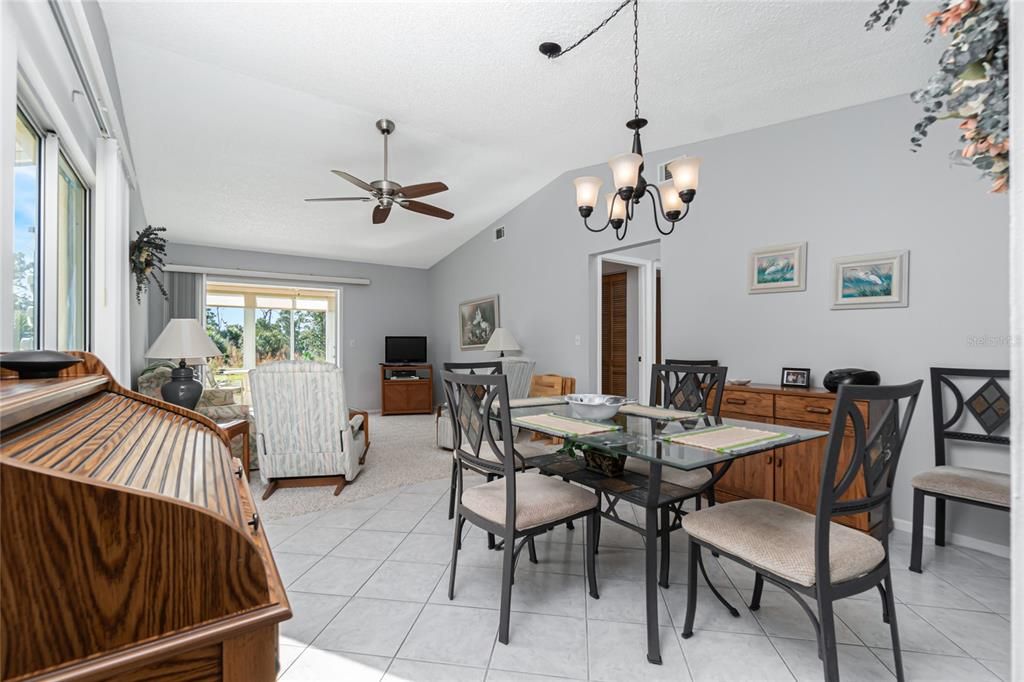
(402, 452)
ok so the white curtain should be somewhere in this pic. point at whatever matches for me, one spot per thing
(111, 276)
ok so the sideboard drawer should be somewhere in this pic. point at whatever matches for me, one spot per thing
(804, 408)
(747, 402)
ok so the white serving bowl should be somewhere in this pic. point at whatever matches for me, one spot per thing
(595, 405)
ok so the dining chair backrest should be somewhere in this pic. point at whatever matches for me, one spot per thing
(688, 387)
(989, 406)
(872, 459)
(493, 367)
(706, 363)
(472, 400)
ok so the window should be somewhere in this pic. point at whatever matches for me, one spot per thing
(252, 324)
(71, 258)
(24, 270)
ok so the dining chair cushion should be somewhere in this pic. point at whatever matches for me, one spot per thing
(780, 540)
(969, 484)
(693, 480)
(539, 500)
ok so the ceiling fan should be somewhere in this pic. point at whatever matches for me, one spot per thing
(387, 193)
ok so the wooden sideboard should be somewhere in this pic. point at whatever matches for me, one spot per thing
(406, 396)
(132, 549)
(790, 475)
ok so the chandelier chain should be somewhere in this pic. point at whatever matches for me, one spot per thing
(636, 59)
(593, 30)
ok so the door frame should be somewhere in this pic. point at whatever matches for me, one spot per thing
(646, 273)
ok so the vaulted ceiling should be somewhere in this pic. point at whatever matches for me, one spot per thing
(237, 111)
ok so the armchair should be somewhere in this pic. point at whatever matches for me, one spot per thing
(305, 433)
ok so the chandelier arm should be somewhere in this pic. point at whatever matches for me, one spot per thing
(604, 227)
(659, 212)
(591, 32)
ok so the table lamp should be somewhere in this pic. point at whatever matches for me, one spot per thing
(183, 339)
(502, 340)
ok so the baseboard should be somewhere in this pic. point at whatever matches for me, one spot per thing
(958, 539)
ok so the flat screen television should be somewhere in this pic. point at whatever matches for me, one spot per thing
(399, 350)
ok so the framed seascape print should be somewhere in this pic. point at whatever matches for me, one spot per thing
(477, 321)
(876, 280)
(778, 268)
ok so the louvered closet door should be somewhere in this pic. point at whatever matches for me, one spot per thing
(613, 334)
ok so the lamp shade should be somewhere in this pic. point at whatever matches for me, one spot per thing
(625, 169)
(587, 190)
(501, 341)
(670, 200)
(183, 338)
(685, 173)
(616, 206)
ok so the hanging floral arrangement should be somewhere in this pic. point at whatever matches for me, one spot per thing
(146, 256)
(972, 83)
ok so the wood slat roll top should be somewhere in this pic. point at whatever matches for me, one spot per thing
(119, 440)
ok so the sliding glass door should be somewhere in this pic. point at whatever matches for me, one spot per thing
(71, 258)
(252, 324)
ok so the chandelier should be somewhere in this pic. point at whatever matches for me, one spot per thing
(670, 199)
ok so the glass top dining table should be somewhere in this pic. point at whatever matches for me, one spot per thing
(646, 437)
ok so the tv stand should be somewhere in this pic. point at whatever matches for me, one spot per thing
(406, 389)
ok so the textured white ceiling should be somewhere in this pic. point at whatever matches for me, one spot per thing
(238, 110)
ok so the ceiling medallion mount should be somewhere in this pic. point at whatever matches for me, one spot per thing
(670, 199)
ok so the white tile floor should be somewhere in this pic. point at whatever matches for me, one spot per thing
(367, 584)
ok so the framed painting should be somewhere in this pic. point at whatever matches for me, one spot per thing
(778, 268)
(875, 280)
(477, 321)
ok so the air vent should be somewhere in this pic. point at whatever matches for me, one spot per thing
(499, 233)
(663, 173)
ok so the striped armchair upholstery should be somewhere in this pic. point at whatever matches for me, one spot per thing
(519, 374)
(302, 421)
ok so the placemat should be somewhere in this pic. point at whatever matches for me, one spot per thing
(662, 413)
(538, 401)
(728, 439)
(566, 426)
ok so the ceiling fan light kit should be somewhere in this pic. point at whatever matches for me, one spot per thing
(387, 192)
(671, 199)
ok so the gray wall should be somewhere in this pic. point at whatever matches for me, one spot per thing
(396, 302)
(846, 183)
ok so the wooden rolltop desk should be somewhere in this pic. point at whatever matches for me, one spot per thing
(130, 548)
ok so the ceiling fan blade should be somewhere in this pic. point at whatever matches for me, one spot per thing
(340, 199)
(426, 209)
(354, 180)
(380, 214)
(423, 189)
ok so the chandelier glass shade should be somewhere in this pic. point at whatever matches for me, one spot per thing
(670, 200)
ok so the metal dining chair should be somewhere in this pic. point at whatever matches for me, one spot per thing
(515, 506)
(692, 388)
(990, 408)
(810, 554)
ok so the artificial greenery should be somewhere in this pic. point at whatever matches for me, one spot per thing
(146, 256)
(972, 83)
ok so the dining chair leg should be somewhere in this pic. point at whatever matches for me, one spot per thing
(940, 522)
(711, 496)
(590, 550)
(885, 602)
(597, 527)
(532, 549)
(507, 566)
(456, 543)
(666, 555)
(894, 632)
(451, 491)
(490, 536)
(829, 654)
(651, 587)
(917, 532)
(755, 601)
(691, 591)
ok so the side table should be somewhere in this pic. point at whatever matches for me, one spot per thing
(239, 427)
